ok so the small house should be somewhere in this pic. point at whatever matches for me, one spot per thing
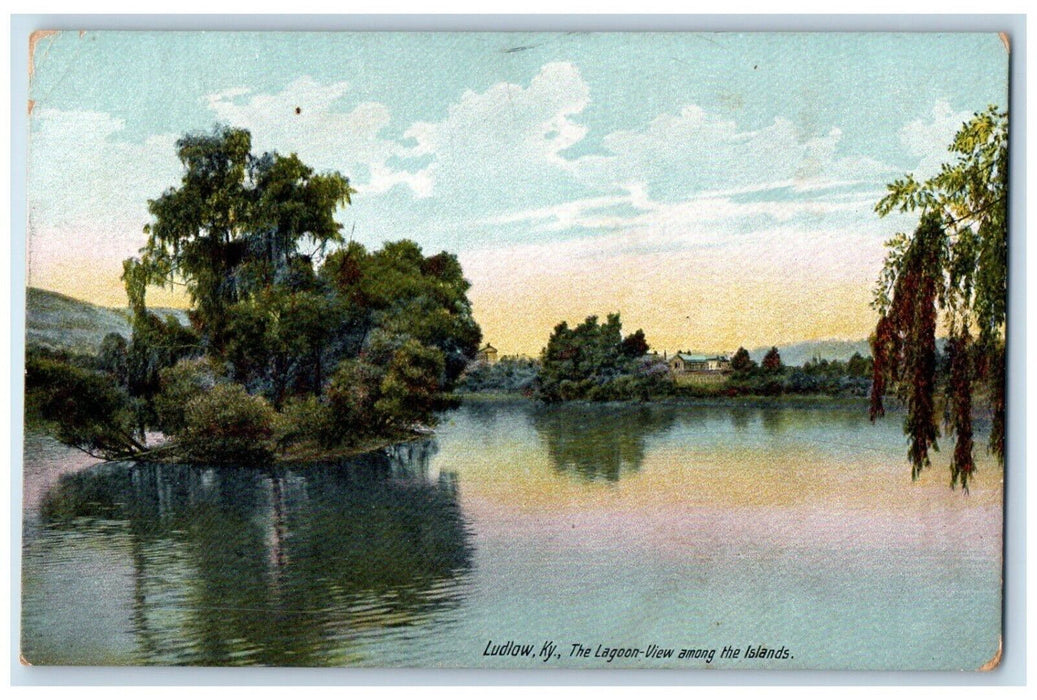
(686, 363)
(487, 354)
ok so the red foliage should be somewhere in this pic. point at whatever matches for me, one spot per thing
(904, 346)
(960, 391)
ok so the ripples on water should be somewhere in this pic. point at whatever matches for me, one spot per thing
(224, 566)
(692, 526)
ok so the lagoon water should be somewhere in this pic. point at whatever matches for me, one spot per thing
(685, 527)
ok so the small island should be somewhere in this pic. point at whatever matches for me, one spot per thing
(298, 343)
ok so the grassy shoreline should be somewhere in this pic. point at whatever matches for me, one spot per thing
(747, 400)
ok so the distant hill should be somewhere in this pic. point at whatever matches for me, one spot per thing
(61, 322)
(797, 354)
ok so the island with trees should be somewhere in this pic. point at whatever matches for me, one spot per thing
(299, 342)
(594, 362)
(953, 269)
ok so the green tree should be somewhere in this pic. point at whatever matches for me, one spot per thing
(635, 345)
(589, 360)
(954, 265)
(156, 344)
(84, 409)
(184, 381)
(354, 389)
(772, 360)
(410, 388)
(235, 225)
(112, 358)
(401, 291)
(280, 341)
(741, 362)
(858, 366)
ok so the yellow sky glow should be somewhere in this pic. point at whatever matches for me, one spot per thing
(681, 300)
(684, 300)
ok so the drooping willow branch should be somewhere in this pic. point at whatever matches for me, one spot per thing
(959, 347)
(955, 264)
(904, 346)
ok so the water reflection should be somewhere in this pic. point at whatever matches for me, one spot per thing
(774, 421)
(801, 527)
(740, 418)
(285, 566)
(599, 442)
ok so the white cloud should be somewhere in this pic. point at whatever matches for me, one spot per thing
(302, 118)
(681, 181)
(708, 208)
(800, 251)
(507, 139)
(503, 147)
(692, 181)
(685, 153)
(928, 139)
(82, 174)
(571, 213)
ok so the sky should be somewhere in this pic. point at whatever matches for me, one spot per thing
(715, 189)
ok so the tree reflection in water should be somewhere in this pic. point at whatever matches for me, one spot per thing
(283, 566)
(599, 441)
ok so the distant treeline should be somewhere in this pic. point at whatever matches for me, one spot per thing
(594, 361)
(773, 378)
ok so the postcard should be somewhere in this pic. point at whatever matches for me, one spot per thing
(516, 351)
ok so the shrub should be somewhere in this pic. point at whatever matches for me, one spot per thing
(180, 384)
(655, 376)
(81, 408)
(510, 374)
(354, 389)
(800, 382)
(411, 385)
(227, 424)
(305, 419)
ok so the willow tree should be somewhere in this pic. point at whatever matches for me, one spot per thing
(240, 233)
(953, 270)
(235, 226)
